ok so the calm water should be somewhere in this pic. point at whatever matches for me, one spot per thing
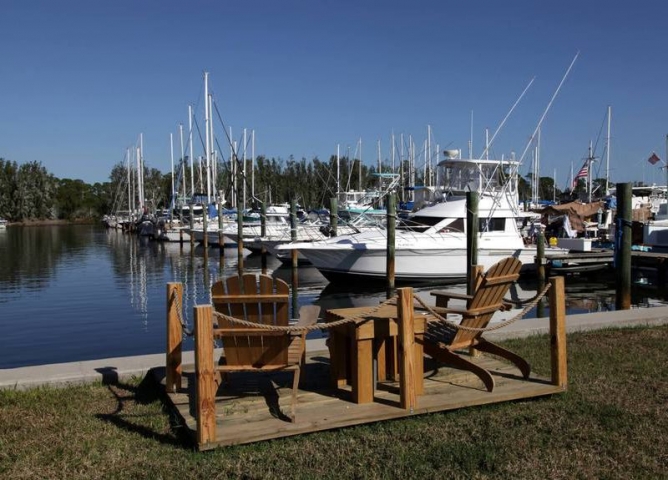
(71, 293)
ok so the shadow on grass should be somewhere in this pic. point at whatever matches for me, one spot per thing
(146, 392)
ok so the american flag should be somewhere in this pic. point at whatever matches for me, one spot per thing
(654, 159)
(584, 171)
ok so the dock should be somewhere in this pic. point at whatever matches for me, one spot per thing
(252, 409)
(653, 263)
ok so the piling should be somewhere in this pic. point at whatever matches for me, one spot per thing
(407, 391)
(333, 215)
(192, 227)
(472, 228)
(263, 233)
(295, 262)
(540, 270)
(205, 221)
(623, 247)
(240, 235)
(221, 244)
(205, 389)
(391, 240)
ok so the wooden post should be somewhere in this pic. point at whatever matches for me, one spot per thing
(240, 230)
(540, 258)
(391, 237)
(263, 233)
(192, 226)
(293, 257)
(205, 223)
(221, 243)
(472, 228)
(623, 246)
(406, 341)
(174, 337)
(558, 332)
(204, 375)
(333, 215)
(181, 225)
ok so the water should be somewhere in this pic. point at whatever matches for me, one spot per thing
(72, 293)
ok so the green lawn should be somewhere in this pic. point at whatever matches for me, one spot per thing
(612, 423)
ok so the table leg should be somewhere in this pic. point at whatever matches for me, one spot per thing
(338, 356)
(363, 371)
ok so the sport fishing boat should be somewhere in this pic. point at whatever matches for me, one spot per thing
(430, 245)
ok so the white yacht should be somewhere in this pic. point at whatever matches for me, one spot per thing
(430, 245)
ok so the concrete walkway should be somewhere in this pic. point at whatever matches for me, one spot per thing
(112, 369)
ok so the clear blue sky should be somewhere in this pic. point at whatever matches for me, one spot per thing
(80, 79)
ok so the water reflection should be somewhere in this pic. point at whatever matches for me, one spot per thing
(72, 293)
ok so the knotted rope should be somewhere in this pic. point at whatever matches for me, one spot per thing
(177, 304)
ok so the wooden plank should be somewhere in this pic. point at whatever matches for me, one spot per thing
(206, 389)
(174, 336)
(558, 332)
(406, 341)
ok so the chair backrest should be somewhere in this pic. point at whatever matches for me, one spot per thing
(488, 298)
(258, 299)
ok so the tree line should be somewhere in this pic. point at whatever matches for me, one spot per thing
(29, 192)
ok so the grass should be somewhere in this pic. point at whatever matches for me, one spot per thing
(612, 423)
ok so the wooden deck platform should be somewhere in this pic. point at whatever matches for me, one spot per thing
(255, 407)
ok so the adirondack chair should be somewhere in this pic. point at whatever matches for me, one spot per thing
(443, 340)
(262, 300)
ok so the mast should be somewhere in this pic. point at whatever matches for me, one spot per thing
(253, 163)
(183, 159)
(338, 170)
(171, 150)
(607, 155)
(244, 168)
(130, 199)
(590, 158)
(207, 145)
(380, 183)
(471, 138)
(359, 180)
(192, 159)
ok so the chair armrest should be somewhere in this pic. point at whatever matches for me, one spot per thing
(448, 294)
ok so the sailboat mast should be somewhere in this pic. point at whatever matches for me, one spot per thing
(171, 150)
(192, 158)
(244, 168)
(130, 202)
(338, 170)
(207, 145)
(607, 155)
(359, 180)
(253, 163)
(183, 160)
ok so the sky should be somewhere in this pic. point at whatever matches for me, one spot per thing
(80, 80)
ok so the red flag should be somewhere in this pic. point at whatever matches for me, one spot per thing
(654, 159)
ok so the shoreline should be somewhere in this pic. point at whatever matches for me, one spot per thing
(52, 222)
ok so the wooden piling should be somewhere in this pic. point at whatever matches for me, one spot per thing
(293, 256)
(391, 238)
(221, 243)
(558, 332)
(407, 372)
(472, 228)
(204, 375)
(623, 246)
(205, 224)
(192, 226)
(240, 233)
(333, 215)
(263, 233)
(174, 337)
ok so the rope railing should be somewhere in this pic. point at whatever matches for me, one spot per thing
(362, 316)
(305, 328)
(490, 328)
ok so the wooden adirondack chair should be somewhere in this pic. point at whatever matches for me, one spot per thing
(263, 300)
(442, 340)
